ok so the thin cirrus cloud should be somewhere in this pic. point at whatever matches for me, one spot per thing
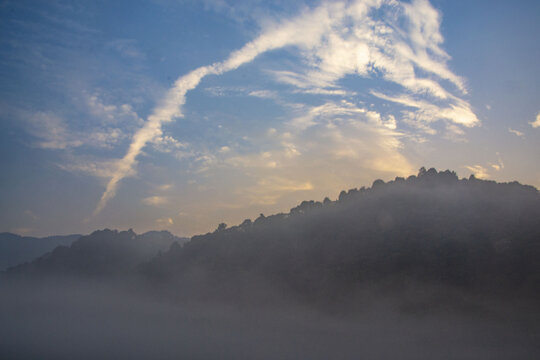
(107, 126)
(425, 112)
(268, 190)
(516, 132)
(312, 152)
(536, 123)
(481, 172)
(478, 171)
(394, 44)
(52, 132)
(155, 200)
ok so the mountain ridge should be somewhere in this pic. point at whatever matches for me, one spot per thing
(16, 249)
(432, 228)
(102, 253)
(431, 265)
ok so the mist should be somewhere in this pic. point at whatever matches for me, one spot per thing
(431, 266)
(88, 321)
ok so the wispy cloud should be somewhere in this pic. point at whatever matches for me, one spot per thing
(155, 200)
(97, 168)
(268, 190)
(536, 123)
(167, 144)
(112, 114)
(391, 43)
(425, 112)
(51, 130)
(264, 94)
(165, 221)
(336, 137)
(499, 165)
(325, 111)
(336, 39)
(482, 172)
(165, 187)
(516, 132)
(108, 126)
(126, 48)
(478, 170)
(335, 92)
(164, 113)
(171, 105)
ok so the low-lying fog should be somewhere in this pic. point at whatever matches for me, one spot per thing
(94, 321)
(429, 267)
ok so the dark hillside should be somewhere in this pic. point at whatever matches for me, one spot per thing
(103, 253)
(428, 267)
(434, 228)
(16, 249)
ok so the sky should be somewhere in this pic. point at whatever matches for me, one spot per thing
(182, 114)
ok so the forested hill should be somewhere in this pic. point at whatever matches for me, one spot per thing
(433, 228)
(103, 254)
(15, 249)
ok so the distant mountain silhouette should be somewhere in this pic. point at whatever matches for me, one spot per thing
(102, 253)
(433, 228)
(16, 249)
(428, 267)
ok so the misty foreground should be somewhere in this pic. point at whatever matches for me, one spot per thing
(429, 267)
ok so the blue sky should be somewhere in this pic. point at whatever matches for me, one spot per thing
(180, 115)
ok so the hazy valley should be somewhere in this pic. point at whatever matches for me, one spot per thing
(431, 266)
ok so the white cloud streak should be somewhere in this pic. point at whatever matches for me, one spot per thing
(355, 41)
(426, 112)
(175, 97)
(335, 39)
